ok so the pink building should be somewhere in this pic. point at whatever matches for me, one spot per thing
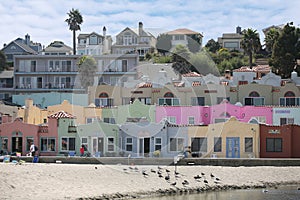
(205, 115)
(180, 114)
(17, 136)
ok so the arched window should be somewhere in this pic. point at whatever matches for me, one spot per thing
(169, 95)
(289, 94)
(253, 94)
(103, 95)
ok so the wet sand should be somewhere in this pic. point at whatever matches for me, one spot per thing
(82, 181)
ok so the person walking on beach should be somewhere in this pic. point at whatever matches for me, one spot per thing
(81, 150)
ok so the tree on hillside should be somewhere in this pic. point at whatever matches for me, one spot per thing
(286, 50)
(271, 38)
(203, 64)
(212, 46)
(74, 21)
(163, 43)
(250, 43)
(194, 43)
(180, 59)
(87, 69)
(2, 61)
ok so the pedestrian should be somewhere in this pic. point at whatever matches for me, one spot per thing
(82, 150)
(32, 149)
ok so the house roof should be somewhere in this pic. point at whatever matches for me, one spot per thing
(23, 46)
(183, 31)
(57, 46)
(61, 114)
(258, 68)
(192, 74)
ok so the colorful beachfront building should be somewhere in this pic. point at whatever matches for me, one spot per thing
(286, 115)
(279, 141)
(230, 139)
(204, 115)
(17, 136)
(132, 112)
(99, 139)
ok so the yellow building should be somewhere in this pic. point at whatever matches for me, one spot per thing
(83, 115)
(34, 115)
(231, 139)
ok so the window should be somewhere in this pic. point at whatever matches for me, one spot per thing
(145, 100)
(289, 100)
(47, 144)
(171, 119)
(4, 143)
(231, 45)
(93, 40)
(84, 142)
(191, 120)
(67, 144)
(217, 144)
(104, 102)
(157, 143)
(110, 144)
(284, 121)
(29, 141)
(199, 144)
(260, 119)
(168, 101)
(176, 144)
(129, 142)
(220, 120)
(197, 101)
(109, 120)
(91, 119)
(254, 101)
(248, 144)
(274, 144)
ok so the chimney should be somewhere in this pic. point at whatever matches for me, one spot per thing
(104, 31)
(27, 39)
(227, 74)
(238, 30)
(140, 28)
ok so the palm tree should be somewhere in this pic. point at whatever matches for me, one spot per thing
(250, 43)
(74, 21)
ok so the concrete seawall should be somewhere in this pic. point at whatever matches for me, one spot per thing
(165, 161)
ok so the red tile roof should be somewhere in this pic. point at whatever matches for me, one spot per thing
(144, 85)
(258, 68)
(182, 31)
(61, 114)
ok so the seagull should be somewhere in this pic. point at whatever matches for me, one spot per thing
(205, 181)
(159, 168)
(167, 170)
(167, 178)
(153, 171)
(185, 182)
(211, 175)
(96, 168)
(160, 176)
(159, 172)
(145, 173)
(174, 183)
(202, 174)
(197, 177)
(217, 179)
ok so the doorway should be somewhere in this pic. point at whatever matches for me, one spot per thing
(97, 146)
(144, 147)
(232, 147)
(16, 143)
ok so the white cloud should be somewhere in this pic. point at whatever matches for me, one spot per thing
(44, 20)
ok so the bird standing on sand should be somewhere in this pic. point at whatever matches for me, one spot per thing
(205, 181)
(211, 175)
(173, 184)
(145, 173)
(167, 178)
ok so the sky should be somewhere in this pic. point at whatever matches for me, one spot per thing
(44, 20)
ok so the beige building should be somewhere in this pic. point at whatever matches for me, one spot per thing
(231, 139)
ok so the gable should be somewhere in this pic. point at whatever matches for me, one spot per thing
(126, 30)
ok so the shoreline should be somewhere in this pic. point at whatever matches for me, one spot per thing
(185, 191)
(90, 181)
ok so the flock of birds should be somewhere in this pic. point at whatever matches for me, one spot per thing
(166, 174)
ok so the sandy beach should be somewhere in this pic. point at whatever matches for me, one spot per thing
(74, 181)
